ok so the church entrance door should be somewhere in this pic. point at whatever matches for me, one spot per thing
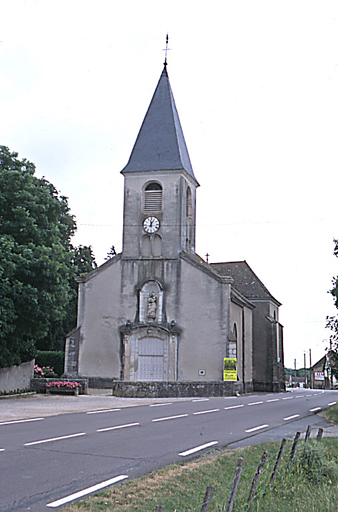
(150, 359)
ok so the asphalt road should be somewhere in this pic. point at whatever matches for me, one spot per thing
(49, 461)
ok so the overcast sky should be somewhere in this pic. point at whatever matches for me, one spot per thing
(255, 83)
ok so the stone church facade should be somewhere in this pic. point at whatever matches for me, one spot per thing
(158, 312)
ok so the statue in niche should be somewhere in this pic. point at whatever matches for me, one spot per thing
(152, 306)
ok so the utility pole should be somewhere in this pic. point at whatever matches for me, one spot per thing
(311, 370)
(305, 376)
(295, 362)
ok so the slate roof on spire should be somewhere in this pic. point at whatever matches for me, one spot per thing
(160, 144)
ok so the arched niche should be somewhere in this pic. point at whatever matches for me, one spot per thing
(151, 302)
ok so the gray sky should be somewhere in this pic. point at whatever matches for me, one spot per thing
(255, 84)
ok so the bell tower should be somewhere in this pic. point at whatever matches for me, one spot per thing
(159, 216)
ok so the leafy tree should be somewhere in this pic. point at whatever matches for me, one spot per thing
(82, 262)
(35, 258)
(111, 253)
(332, 323)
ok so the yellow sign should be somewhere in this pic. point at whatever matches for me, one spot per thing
(229, 368)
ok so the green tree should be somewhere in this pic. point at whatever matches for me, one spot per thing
(332, 323)
(82, 262)
(35, 258)
(111, 253)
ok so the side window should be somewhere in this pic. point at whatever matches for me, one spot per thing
(152, 198)
(189, 204)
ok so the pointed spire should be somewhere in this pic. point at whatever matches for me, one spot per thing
(160, 144)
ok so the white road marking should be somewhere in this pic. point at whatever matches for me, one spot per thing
(197, 449)
(103, 410)
(288, 398)
(315, 409)
(2, 449)
(170, 417)
(201, 400)
(255, 403)
(55, 439)
(20, 421)
(89, 490)
(160, 405)
(332, 403)
(206, 412)
(299, 396)
(273, 400)
(117, 427)
(233, 406)
(256, 428)
(291, 417)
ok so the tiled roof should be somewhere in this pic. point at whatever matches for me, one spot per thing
(160, 144)
(245, 280)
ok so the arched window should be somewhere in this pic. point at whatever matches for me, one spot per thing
(152, 199)
(189, 204)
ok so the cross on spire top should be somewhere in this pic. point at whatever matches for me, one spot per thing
(166, 50)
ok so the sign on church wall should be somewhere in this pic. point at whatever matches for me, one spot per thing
(230, 368)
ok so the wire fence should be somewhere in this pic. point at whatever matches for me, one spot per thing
(262, 478)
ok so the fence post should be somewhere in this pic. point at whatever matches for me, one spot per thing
(238, 472)
(256, 477)
(307, 435)
(207, 498)
(294, 446)
(279, 456)
(320, 435)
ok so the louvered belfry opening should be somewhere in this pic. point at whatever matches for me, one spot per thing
(152, 198)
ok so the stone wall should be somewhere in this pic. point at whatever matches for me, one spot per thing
(175, 389)
(16, 377)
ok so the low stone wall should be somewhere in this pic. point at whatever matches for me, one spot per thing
(175, 389)
(39, 385)
(16, 377)
(101, 382)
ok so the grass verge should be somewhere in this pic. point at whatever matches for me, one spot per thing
(181, 487)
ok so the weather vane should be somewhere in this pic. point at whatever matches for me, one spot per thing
(166, 50)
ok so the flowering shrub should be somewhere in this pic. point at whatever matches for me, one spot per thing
(63, 384)
(45, 371)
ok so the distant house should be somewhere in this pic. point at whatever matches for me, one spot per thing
(321, 377)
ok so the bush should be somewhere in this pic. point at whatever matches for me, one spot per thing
(51, 358)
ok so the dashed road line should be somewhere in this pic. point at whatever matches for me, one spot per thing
(201, 400)
(206, 412)
(316, 409)
(117, 427)
(273, 400)
(197, 448)
(2, 449)
(103, 410)
(234, 407)
(171, 417)
(288, 398)
(55, 439)
(256, 428)
(160, 405)
(20, 421)
(332, 403)
(84, 492)
(291, 417)
(255, 403)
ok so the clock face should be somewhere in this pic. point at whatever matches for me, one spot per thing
(151, 224)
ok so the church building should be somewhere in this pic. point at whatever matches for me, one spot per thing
(157, 312)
